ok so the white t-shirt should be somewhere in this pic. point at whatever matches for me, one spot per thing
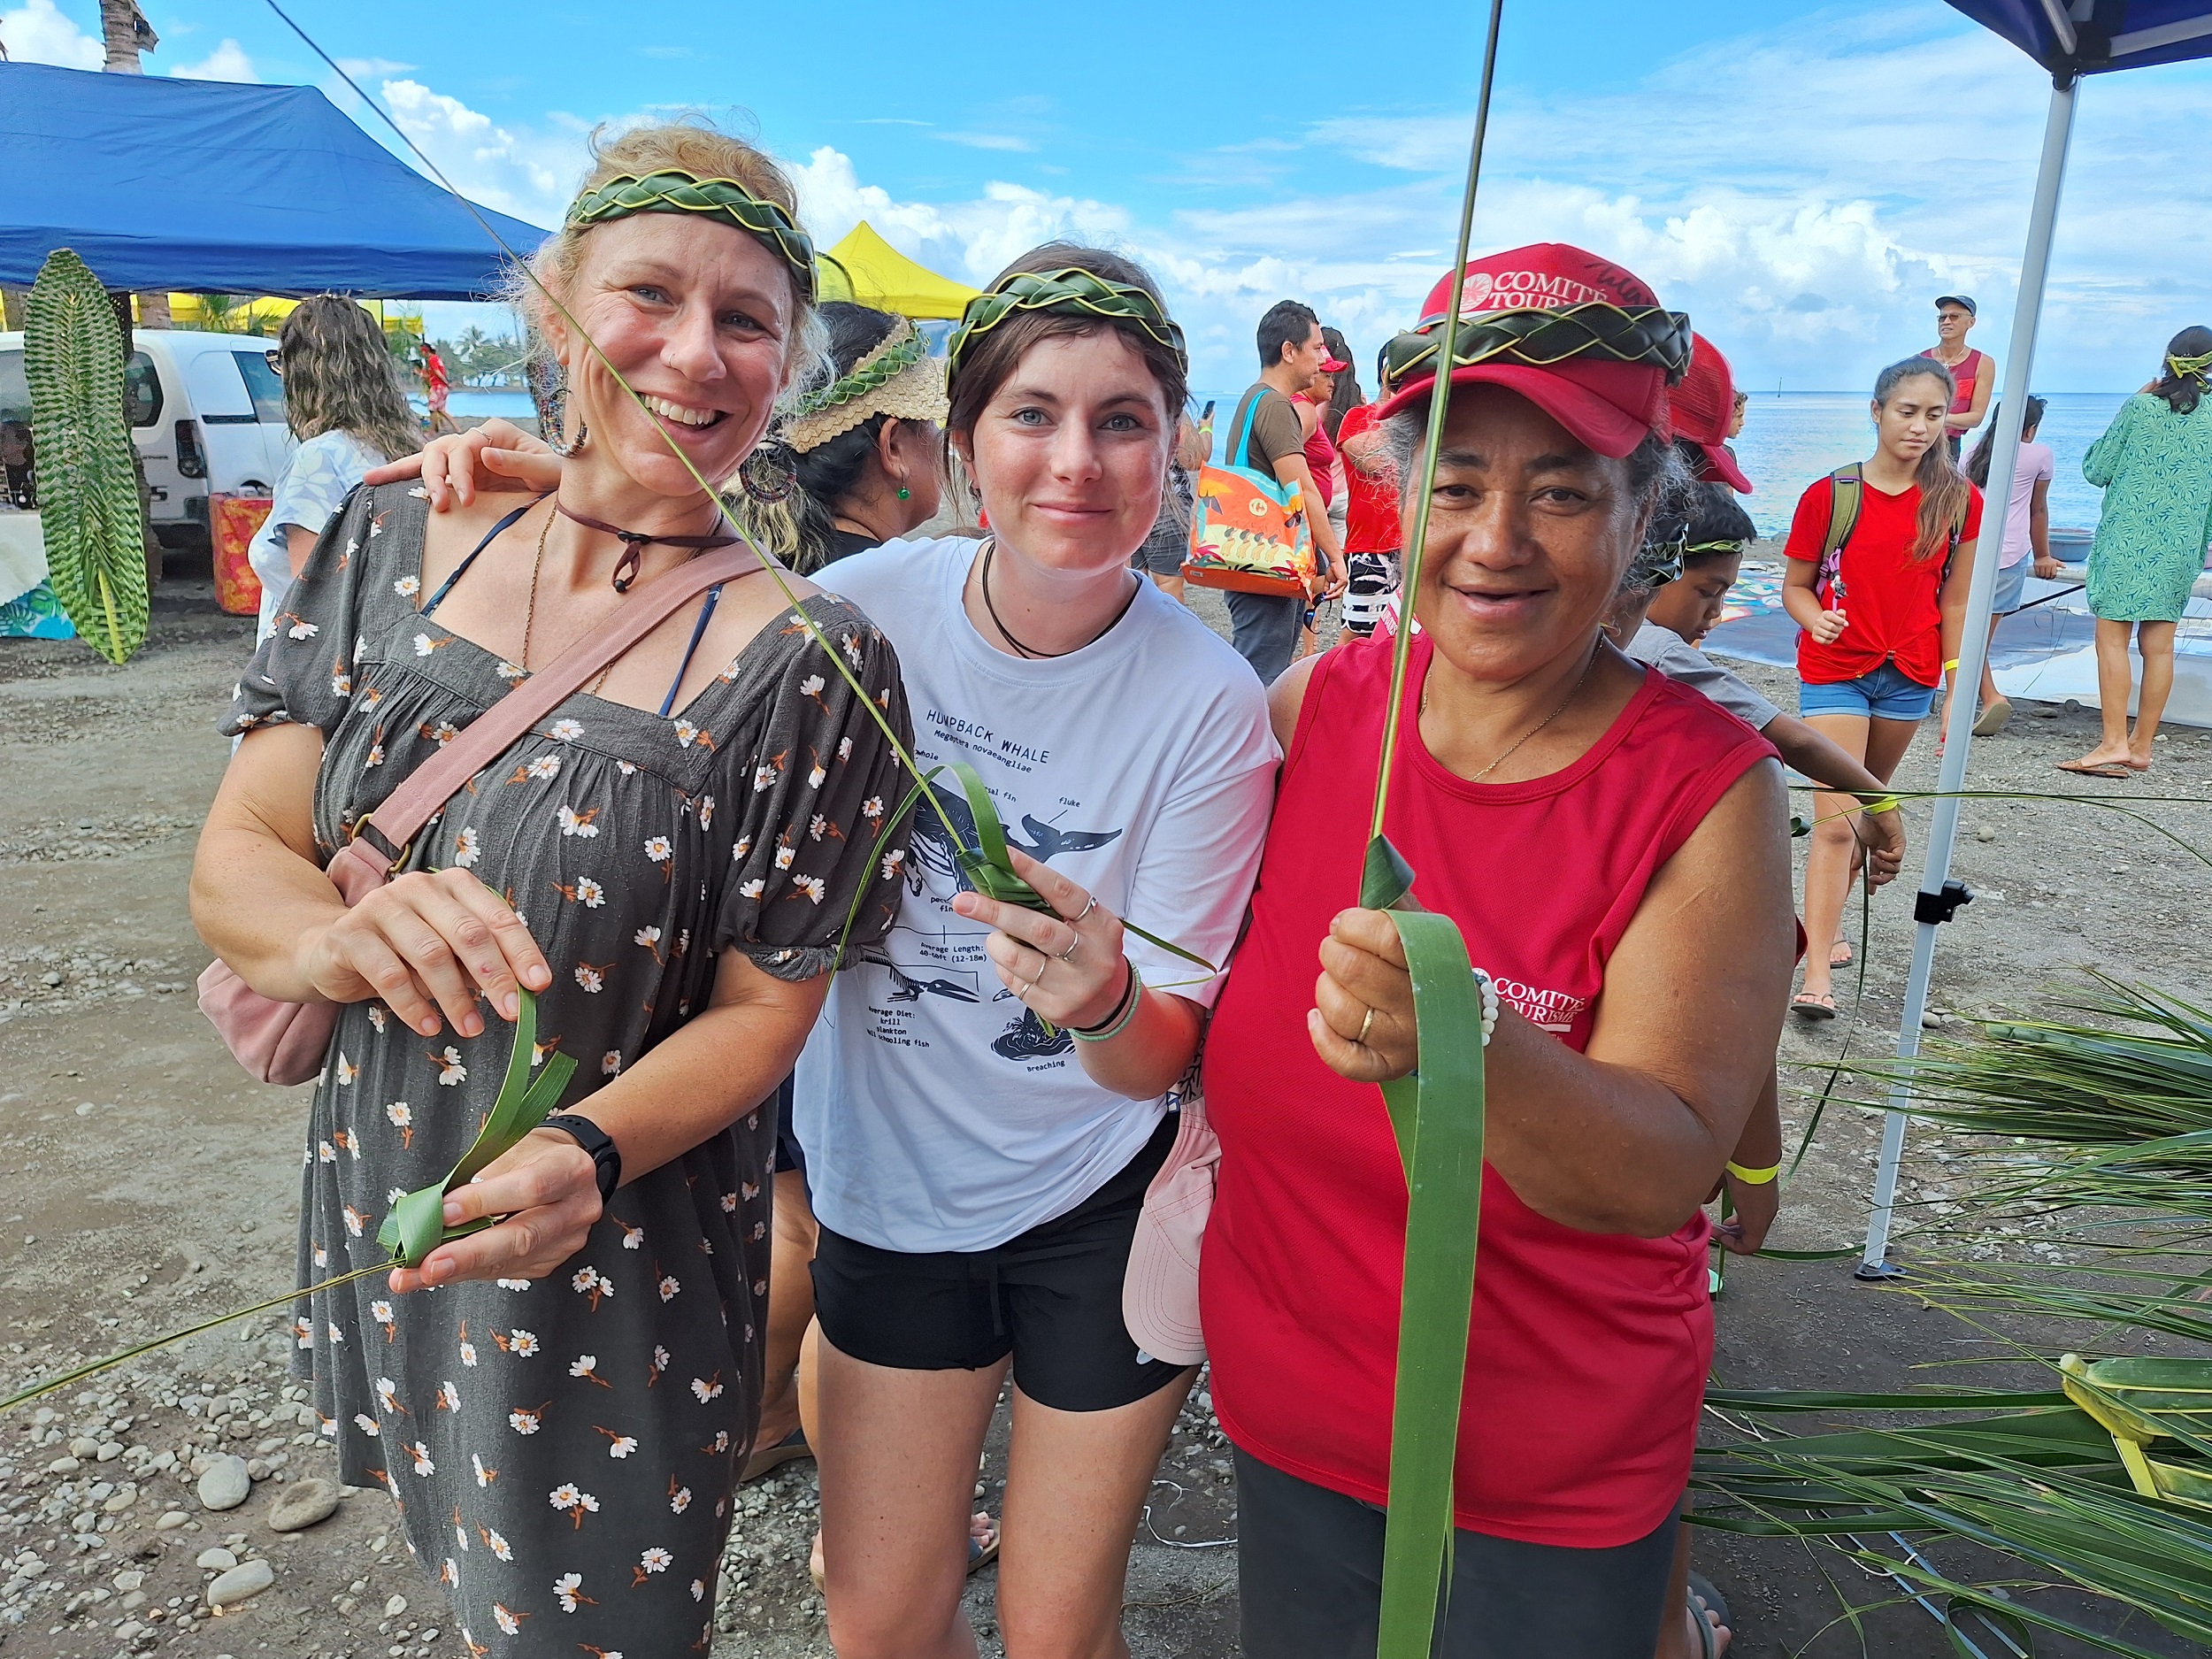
(320, 474)
(935, 1113)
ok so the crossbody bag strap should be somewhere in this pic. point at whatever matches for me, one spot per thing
(431, 785)
(1243, 449)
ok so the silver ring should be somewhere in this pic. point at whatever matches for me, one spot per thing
(1086, 911)
(1068, 956)
(1040, 974)
(1361, 1039)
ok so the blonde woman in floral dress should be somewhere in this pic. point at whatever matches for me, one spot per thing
(558, 1404)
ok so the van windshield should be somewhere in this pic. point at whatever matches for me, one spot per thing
(263, 385)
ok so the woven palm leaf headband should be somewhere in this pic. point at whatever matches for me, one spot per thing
(1595, 332)
(1073, 290)
(897, 377)
(673, 190)
(2190, 368)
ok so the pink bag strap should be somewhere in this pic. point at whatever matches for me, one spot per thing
(438, 780)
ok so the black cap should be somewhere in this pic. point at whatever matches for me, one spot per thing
(1958, 299)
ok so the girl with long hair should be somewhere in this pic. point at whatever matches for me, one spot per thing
(2154, 465)
(2027, 531)
(343, 403)
(1880, 554)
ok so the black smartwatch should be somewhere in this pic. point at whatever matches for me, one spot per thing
(605, 1156)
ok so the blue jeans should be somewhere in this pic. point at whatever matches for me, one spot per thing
(1883, 693)
(1264, 630)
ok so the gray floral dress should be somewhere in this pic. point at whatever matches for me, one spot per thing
(563, 1451)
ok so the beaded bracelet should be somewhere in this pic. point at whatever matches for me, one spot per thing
(1126, 1010)
(1754, 1177)
(1489, 1005)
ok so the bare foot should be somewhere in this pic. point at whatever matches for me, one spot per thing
(2138, 762)
(1695, 1611)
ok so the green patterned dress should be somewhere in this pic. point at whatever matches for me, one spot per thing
(2155, 469)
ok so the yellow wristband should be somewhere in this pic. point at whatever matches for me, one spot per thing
(1888, 803)
(1754, 1177)
(1951, 667)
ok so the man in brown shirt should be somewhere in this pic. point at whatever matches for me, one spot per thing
(1291, 352)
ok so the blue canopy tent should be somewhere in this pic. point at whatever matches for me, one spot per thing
(2070, 39)
(212, 187)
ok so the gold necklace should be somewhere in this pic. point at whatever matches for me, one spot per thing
(1532, 730)
(530, 611)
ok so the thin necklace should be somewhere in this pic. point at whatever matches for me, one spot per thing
(530, 611)
(1949, 362)
(1532, 730)
(991, 547)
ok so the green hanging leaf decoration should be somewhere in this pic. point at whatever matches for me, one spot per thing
(88, 487)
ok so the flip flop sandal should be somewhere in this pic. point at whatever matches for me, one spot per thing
(789, 1449)
(1705, 1599)
(1812, 1005)
(1839, 955)
(2093, 772)
(1991, 719)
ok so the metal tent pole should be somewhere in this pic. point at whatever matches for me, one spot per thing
(1938, 895)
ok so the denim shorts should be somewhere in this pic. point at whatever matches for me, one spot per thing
(2012, 586)
(1884, 693)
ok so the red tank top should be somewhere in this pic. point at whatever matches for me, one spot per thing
(1963, 375)
(1587, 1356)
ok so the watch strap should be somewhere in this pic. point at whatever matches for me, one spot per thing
(605, 1155)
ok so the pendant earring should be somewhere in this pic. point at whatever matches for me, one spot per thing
(555, 420)
(770, 473)
(906, 495)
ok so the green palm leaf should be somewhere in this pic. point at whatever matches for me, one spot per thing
(88, 487)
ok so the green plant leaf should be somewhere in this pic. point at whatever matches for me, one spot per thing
(87, 485)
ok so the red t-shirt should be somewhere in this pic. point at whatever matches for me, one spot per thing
(1893, 602)
(1370, 509)
(1320, 455)
(1586, 1362)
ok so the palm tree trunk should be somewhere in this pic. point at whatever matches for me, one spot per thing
(124, 28)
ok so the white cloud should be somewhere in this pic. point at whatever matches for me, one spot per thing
(987, 141)
(226, 62)
(36, 33)
(370, 68)
(517, 172)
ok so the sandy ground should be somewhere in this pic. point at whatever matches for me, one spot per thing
(146, 1184)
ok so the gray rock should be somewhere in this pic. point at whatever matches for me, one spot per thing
(302, 1505)
(225, 1484)
(63, 1465)
(171, 1519)
(240, 1583)
(216, 1560)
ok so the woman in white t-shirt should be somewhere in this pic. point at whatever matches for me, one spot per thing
(987, 1095)
(343, 403)
(2027, 530)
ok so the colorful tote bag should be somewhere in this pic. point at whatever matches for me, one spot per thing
(1248, 532)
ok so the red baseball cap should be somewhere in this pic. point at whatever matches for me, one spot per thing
(1702, 407)
(1334, 365)
(1612, 397)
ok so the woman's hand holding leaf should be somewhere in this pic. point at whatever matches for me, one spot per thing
(548, 1189)
(1363, 970)
(496, 457)
(1069, 973)
(425, 944)
(1756, 1204)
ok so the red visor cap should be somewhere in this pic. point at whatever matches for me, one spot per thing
(1701, 409)
(1612, 407)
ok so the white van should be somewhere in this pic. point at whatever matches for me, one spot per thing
(207, 412)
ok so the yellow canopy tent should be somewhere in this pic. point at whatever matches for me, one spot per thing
(868, 270)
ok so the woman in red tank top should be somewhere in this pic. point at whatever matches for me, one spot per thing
(1611, 847)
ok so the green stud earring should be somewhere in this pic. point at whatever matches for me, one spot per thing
(906, 495)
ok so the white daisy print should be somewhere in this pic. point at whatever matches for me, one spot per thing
(812, 887)
(421, 1455)
(566, 731)
(523, 1422)
(651, 1560)
(450, 1070)
(303, 630)
(342, 684)
(591, 978)
(752, 889)
(611, 1062)
(633, 1238)
(619, 1446)
(575, 823)
(495, 1543)
(784, 855)
(678, 1497)
(408, 587)
(707, 1389)
(567, 1498)
(647, 936)
(892, 861)
(706, 812)
(510, 1623)
(425, 645)
(484, 1476)
(511, 671)
(589, 894)
(523, 1344)
(388, 1396)
(657, 848)
(544, 767)
(367, 1424)
(565, 1592)
(669, 1286)
(763, 778)
(468, 849)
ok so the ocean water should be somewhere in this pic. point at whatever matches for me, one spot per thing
(1789, 441)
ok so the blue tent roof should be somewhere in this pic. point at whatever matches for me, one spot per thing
(2092, 36)
(211, 187)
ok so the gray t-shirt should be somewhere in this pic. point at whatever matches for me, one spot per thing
(1665, 649)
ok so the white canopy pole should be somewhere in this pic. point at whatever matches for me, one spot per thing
(1933, 906)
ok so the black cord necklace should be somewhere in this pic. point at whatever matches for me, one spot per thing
(989, 549)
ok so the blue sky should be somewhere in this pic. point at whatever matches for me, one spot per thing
(1803, 179)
